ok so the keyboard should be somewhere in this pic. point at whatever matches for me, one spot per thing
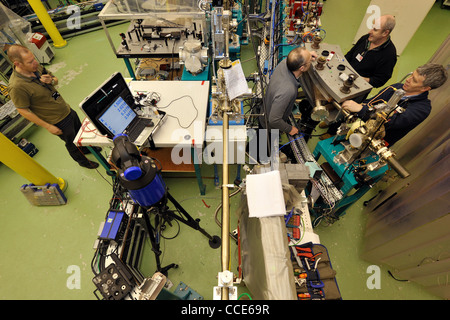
(137, 129)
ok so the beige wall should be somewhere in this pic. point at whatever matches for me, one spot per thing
(409, 15)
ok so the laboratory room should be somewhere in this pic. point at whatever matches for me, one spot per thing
(224, 150)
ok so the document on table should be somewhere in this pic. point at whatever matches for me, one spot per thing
(265, 195)
(235, 80)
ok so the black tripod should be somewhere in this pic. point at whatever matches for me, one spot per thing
(141, 177)
(164, 215)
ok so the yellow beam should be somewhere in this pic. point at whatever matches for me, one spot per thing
(17, 160)
(47, 23)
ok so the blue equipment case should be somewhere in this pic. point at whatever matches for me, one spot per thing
(113, 225)
(47, 195)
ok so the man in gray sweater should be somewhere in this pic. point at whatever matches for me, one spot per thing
(283, 89)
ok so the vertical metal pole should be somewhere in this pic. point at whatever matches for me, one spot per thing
(225, 206)
(130, 68)
(105, 28)
(47, 23)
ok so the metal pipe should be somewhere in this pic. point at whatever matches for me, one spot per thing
(225, 63)
(225, 204)
(398, 167)
(227, 45)
(339, 107)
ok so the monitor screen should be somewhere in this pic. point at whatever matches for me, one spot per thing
(117, 116)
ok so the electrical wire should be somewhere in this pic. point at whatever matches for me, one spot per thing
(219, 223)
(178, 120)
(299, 241)
(301, 136)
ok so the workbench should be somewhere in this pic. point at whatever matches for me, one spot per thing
(183, 131)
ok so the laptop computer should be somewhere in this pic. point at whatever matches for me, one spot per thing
(119, 117)
(111, 108)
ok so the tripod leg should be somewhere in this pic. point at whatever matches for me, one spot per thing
(214, 241)
(155, 245)
(165, 270)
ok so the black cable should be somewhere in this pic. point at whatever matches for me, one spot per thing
(390, 273)
(178, 120)
(103, 177)
(177, 233)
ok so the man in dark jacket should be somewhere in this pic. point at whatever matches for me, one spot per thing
(373, 57)
(415, 103)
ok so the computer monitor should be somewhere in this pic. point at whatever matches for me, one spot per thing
(117, 116)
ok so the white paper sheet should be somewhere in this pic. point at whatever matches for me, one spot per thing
(265, 195)
(235, 80)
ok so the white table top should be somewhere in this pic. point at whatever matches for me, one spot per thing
(185, 104)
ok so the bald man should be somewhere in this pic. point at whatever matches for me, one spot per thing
(32, 90)
(283, 89)
(374, 55)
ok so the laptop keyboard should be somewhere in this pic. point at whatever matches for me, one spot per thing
(136, 131)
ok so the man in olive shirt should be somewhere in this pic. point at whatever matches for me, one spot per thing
(32, 91)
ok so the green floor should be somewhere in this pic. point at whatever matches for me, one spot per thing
(40, 246)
